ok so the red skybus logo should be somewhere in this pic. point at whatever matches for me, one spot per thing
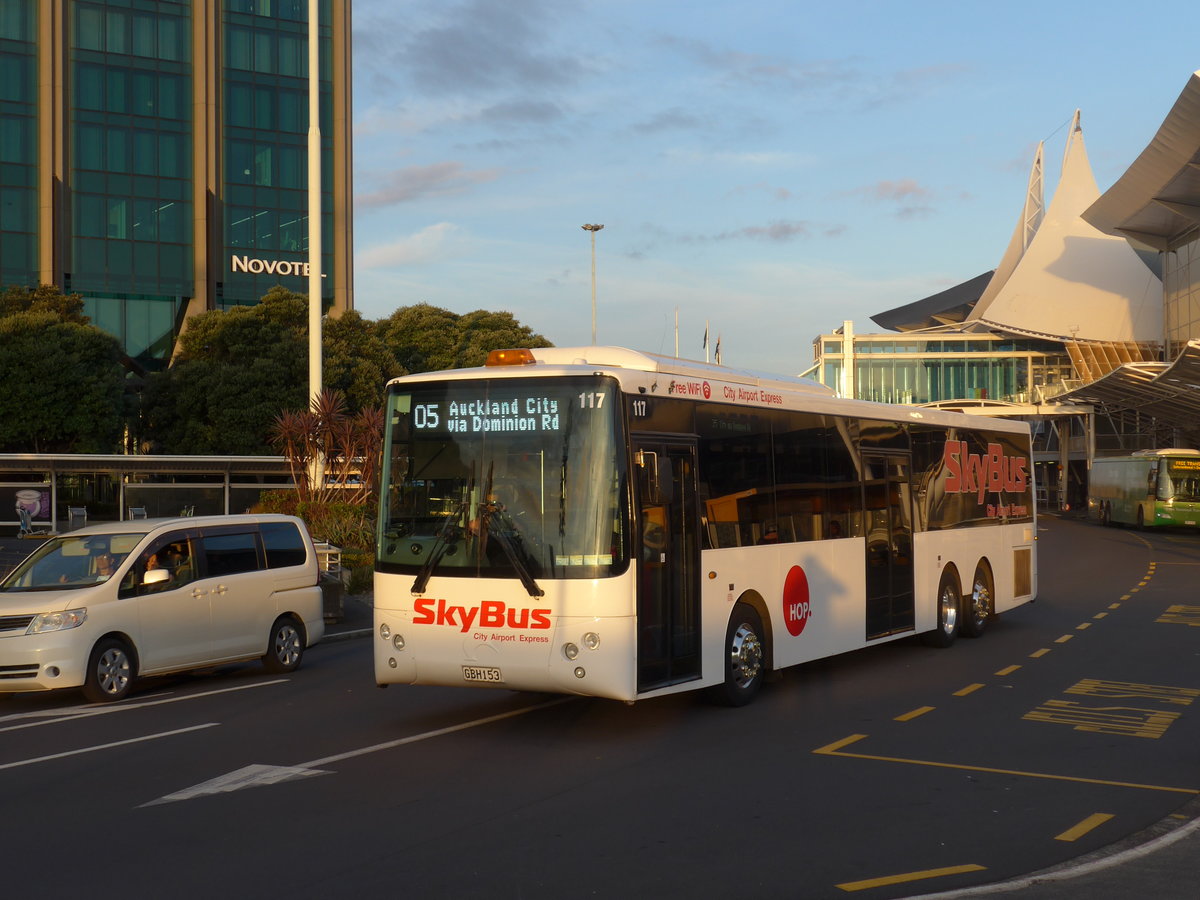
(489, 614)
(980, 473)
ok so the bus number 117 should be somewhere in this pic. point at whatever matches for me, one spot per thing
(592, 400)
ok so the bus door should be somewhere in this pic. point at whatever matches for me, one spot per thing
(887, 513)
(668, 563)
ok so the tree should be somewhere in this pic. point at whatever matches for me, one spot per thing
(235, 371)
(63, 381)
(357, 361)
(43, 298)
(427, 338)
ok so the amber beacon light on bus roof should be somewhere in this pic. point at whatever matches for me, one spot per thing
(510, 358)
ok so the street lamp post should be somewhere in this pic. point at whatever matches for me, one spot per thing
(593, 229)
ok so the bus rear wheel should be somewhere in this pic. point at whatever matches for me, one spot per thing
(949, 603)
(744, 658)
(980, 608)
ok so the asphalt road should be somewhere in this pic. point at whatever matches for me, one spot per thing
(1073, 724)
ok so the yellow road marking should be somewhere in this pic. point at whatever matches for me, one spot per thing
(1115, 605)
(1083, 626)
(1125, 690)
(912, 714)
(1124, 720)
(1179, 614)
(969, 689)
(1063, 639)
(835, 749)
(1100, 615)
(1008, 670)
(1039, 653)
(1076, 832)
(850, 886)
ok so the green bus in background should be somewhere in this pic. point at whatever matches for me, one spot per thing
(1150, 488)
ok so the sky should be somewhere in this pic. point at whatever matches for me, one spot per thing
(763, 169)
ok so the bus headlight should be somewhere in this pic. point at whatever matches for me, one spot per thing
(398, 642)
(591, 640)
(57, 621)
(384, 631)
(579, 673)
(570, 651)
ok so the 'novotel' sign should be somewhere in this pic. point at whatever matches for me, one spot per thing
(268, 266)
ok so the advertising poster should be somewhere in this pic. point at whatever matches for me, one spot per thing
(33, 497)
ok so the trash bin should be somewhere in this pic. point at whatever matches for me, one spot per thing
(333, 593)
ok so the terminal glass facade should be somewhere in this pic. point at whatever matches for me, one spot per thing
(1181, 285)
(903, 368)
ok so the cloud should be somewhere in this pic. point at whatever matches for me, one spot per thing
(415, 182)
(473, 47)
(676, 119)
(775, 232)
(426, 245)
(906, 193)
(904, 189)
(521, 112)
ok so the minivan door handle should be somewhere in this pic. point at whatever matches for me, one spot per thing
(198, 592)
(220, 589)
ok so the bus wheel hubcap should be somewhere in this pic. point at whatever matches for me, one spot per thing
(746, 654)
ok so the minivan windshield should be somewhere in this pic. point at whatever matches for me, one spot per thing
(72, 561)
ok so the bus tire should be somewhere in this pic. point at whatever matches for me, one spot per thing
(744, 658)
(980, 606)
(949, 606)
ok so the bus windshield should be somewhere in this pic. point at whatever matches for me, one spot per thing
(504, 477)
(1179, 480)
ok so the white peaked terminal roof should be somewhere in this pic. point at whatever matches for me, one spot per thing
(1062, 278)
(1027, 225)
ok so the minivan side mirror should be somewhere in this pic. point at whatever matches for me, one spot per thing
(156, 576)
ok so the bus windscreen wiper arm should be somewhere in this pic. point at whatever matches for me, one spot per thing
(438, 550)
(505, 538)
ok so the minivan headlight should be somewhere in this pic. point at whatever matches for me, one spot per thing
(57, 621)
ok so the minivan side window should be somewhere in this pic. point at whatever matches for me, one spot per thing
(172, 553)
(229, 554)
(283, 543)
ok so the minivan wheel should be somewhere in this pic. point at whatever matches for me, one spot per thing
(109, 673)
(285, 647)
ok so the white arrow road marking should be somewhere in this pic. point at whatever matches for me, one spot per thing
(249, 776)
(254, 775)
(138, 740)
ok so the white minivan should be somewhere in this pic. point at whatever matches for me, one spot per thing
(98, 607)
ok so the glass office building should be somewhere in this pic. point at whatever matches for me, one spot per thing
(153, 156)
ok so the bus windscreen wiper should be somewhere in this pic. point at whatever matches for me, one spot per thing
(447, 535)
(510, 542)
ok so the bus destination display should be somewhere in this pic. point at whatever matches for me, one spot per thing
(536, 413)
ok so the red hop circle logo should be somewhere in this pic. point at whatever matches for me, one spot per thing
(796, 605)
(707, 391)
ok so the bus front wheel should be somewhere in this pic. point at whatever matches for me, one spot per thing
(744, 658)
(949, 603)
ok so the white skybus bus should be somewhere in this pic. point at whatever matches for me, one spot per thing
(609, 523)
